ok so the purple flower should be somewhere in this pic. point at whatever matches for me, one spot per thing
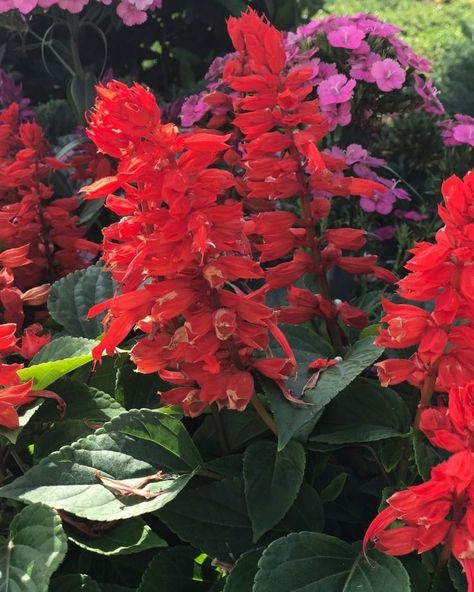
(194, 108)
(385, 232)
(388, 74)
(380, 202)
(336, 89)
(411, 215)
(349, 37)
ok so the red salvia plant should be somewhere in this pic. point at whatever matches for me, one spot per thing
(440, 511)
(189, 249)
(30, 213)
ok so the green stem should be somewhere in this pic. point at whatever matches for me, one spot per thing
(73, 26)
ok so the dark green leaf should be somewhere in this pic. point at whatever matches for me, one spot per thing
(35, 547)
(299, 420)
(173, 570)
(86, 410)
(212, 518)
(72, 296)
(74, 583)
(272, 481)
(132, 446)
(128, 536)
(58, 358)
(420, 578)
(332, 491)
(81, 91)
(363, 412)
(243, 573)
(307, 562)
(457, 575)
(426, 455)
(240, 428)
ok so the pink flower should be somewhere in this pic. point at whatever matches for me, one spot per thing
(337, 114)
(194, 108)
(428, 94)
(412, 215)
(464, 134)
(388, 74)
(361, 65)
(458, 131)
(385, 232)
(336, 89)
(349, 37)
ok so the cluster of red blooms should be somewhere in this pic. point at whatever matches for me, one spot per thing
(15, 393)
(42, 241)
(440, 511)
(29, 213)
(186, 254)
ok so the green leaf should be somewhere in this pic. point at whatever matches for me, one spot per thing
(309, 561)
(58, 358)
(426, 455)
(457, 576)
(243, 573)
(235, 7)
(334, 489)
(132, 446)
(128, 536)
(299, 420)
(24, 415)
(35, 547)
(72, 296)
(74, 583)
(174, 570)
(212, 518)
(81, 91)
(86, 410)
(240, 428)
(363, 412)
(272, 481)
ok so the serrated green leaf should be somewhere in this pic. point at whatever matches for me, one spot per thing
(127, 537)
(310, 561)
(58, 358)
(35, 547)
(295, 420)
(243, 573)
(72, 296)
(272, 481)
(363, 412)
(134, 445)
(173, 570)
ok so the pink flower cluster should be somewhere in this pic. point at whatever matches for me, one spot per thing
(132, 12)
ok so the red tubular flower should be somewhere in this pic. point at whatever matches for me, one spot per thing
(181, 256)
